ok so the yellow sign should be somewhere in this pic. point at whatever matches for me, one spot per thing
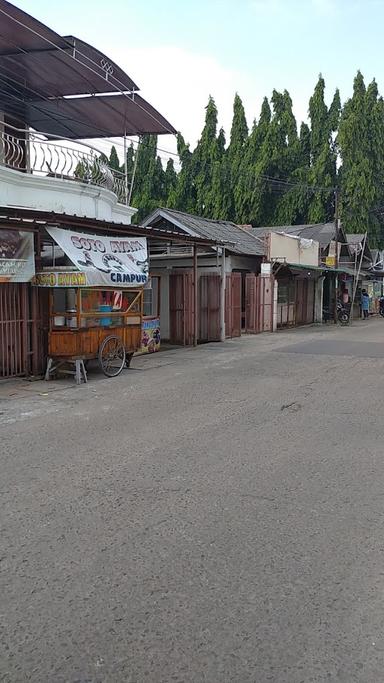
(60, 279)
(330, 261)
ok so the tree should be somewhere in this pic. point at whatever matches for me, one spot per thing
(322, 174)
(277, 160)
(318, 114)
(273, 175)
(183, 196)
(130, 161)
(360, 140)
(220, 199)
(170, 181)
(204, 157)
(234, 155)
(113, 161)
(247, 178)
(149, 181)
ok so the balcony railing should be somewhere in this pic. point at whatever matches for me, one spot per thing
(31, 153)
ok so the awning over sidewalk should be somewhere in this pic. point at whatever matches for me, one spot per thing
(322, 268)
(300, 266)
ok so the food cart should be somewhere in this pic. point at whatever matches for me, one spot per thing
(95, 313)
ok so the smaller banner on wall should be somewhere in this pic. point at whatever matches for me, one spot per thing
(60, 279)
(105, 260)
(150, 335)
(17, 259)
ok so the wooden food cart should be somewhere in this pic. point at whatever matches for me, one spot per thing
(91, 323)
(95, 313)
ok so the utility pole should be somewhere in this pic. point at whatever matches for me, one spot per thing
(336, 194)
(356, 281)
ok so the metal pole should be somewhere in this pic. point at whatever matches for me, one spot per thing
(336, 250)
(222, 296)
(195, 297)
(125, 168)
(353, 287)
(133, 175)
(27, 150)
(358, 272)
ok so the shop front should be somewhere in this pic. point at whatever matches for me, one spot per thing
(20, 343)
(96, 303)
(299, 295)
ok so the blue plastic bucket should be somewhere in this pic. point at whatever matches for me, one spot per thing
(104, 308)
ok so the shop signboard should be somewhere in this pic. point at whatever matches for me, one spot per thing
(17, 259)
(60, 279)
(266, 269)
(150, 337)
(105, 260)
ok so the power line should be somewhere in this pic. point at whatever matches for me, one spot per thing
(57, 47)
(269, 179)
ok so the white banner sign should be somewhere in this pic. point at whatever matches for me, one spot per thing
(266, 269)
(17, 259)
(110, 261)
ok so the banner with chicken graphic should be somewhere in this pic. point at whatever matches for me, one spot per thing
(113, 261)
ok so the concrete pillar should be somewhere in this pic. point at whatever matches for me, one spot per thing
(274, 304)
(319, 290)
(222, 296)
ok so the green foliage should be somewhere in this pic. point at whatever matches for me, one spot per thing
(130, 162)
(170, 181)
(272, 174)
(204, 158)
(183, 196)
(149, 186)
(114, 162)
(361, 144)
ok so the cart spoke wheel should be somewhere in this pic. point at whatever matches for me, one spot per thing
(112, 356)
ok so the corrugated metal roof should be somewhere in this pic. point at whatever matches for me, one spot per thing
(355, 238)
(236, 239)
(323, 233)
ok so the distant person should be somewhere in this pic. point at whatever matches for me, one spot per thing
(345, 297)
(365, 304)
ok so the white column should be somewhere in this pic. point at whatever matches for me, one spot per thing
(222, 296)
(319, 292)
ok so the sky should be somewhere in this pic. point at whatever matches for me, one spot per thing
(181, 51)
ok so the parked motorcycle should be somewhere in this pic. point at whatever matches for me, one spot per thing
(381, 309)
(342, 314)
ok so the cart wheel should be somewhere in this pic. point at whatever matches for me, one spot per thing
(112, 356)
(128, 359)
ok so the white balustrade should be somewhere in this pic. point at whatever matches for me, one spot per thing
(45, 157)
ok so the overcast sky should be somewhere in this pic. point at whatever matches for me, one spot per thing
(180, 51)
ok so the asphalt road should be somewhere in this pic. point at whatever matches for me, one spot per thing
(212, 515)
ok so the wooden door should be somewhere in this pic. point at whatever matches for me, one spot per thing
(259, 294)
(209, 307)
(181, 308)
(14, 330)
(233, 305)
(305, 302)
